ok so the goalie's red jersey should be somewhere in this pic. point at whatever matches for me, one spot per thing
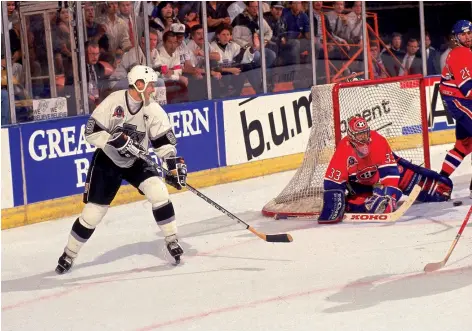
(377, 167)
(456, 76)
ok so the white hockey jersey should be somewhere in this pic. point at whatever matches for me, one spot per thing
(149, 124)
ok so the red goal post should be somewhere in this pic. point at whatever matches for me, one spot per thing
(395, 107)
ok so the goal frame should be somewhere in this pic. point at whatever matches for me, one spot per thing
(337, 125)
(360, 83)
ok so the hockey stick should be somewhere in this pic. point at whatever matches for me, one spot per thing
(385, 218)
(280, 238)
(433, 266)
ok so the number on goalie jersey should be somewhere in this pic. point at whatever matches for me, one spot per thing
(121, 128)
(456, 93)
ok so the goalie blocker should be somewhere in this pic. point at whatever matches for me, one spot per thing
(374, 182)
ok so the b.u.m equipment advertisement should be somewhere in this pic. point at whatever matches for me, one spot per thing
(266, 126)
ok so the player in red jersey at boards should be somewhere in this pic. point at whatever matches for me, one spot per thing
(456, 93)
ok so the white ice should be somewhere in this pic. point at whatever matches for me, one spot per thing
(365, 277)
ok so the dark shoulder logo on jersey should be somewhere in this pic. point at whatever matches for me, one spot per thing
(146, 117)
(351, 161)
(118, 112)
(171, 137)
(90, 125)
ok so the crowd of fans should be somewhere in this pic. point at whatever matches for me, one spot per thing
(114, 33)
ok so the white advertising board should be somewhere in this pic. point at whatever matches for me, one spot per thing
(7, 186)
(45, 109)
(266, 126)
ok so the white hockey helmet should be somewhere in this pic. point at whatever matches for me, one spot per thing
(144, 73)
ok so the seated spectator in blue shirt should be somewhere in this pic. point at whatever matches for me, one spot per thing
(298, 23)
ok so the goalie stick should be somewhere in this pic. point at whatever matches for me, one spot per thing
(433, 266)
(283, 237)
(385, 218)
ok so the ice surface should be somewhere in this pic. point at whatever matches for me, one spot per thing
(365, 277)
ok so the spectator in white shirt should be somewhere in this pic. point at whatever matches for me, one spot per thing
(232, 63)
(171, 70)
(116, 31)
(198, 88)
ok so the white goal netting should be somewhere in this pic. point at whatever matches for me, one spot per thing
(394, 107)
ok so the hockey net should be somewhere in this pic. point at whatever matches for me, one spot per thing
(395, 107)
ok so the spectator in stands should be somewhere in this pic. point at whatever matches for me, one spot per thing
(338, 24)
(246, 29)
(163, 17)
(236, 8)
(191, 19)
(232, 63)
(95, 73)
(153, 42)
(63, 52)
(95, 31)
(392, 56)
(12, 14)
(189, 71)
(217, 14)
(411, 63)
(197, 89)
(354, 22)
(432, 57)
(129, 59)
(116, 30)
(451, 45)
(171, 70)
(378, 67)
(15, 49)
(126, 14)
(298, 29)
(287, 50)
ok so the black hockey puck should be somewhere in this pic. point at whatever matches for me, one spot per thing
(457, 203)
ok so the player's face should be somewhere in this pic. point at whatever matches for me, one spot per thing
(363, 137)
(465, 38)
(148, 91)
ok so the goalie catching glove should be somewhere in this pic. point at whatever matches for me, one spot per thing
(176, 175)
(383, 200)
(124, 145)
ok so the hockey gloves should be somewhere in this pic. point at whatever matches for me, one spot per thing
(124, 145)
(383, 200)
(176, 175)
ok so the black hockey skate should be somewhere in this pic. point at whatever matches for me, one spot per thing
(64, 263)
(175, 250)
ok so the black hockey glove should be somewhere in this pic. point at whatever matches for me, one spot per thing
(125, 146)
(176, 175)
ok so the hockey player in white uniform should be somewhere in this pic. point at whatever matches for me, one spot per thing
(121, 128)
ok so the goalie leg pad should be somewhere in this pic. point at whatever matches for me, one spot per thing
(333, 207)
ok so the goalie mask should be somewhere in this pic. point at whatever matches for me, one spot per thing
(462, 32)
(358, 133)
(143, 73)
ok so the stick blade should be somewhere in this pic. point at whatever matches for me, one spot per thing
(430, 267)
(279, 238)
